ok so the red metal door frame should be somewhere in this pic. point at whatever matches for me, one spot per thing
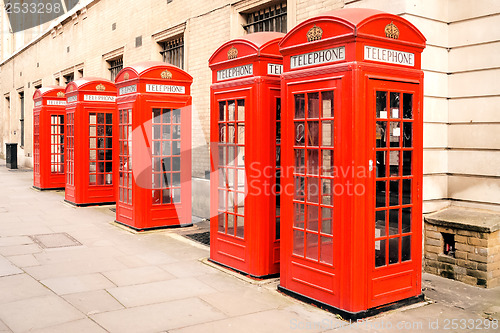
(402, 279)
(124, 210)
(312, 277)
(178, 212)
(230, 249)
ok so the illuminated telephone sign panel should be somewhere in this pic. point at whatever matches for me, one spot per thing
(153, 169)
(90, 129)
(49, 114)
(245, 134)
(351, 230)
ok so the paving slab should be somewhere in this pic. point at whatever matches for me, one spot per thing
(132, 261)
(3, 327)
(72, 268)
(272, 321)
(16, 250)
(6, 268)
(188, 268)
(159, 317)
(92, 302)
(24, 230)
(222, 282)
(15, 240)
(237, 303)
(25, 260)
(18, 287)
(76, 284)
(138, 275)
(157, 258)
(157, 292)
(40, 312)
(83, 326)
(76, 253)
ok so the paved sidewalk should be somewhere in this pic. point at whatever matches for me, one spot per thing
(117, 281)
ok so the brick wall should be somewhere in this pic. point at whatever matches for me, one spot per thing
(476, 260)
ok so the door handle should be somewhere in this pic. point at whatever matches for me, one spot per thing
(370, 165)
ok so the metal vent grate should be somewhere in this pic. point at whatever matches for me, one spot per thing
(201, 237)
(51, 241)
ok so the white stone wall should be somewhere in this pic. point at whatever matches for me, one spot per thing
(474, 109)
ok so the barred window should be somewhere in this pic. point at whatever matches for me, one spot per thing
(173, 51)
(115, 66)
(272, 18)
(69, 78)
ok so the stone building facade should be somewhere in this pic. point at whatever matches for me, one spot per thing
(461, 65)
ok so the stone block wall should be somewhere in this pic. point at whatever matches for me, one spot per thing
(474, 251)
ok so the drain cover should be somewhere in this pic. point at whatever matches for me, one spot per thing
(50, 241)
(201, 237)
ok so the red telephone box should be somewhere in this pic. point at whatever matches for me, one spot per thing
(245, 153)
(153, 172)
(48, 138)
(352, 130)
(90, 108)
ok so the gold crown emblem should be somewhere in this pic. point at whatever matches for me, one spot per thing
(126, 76)
(71, 88)
(315, 33)
(391, 31)
(166, 75)
(100, 87)
(232, 53)
(60, 94)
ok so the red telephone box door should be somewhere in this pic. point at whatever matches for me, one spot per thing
(315, 236)
(396, 148)
(231, 184)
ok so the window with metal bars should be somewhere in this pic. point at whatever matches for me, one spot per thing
(69, 78)
(173, 51)
(115, 66)
(272, 18)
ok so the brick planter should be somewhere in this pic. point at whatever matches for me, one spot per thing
(464, 245)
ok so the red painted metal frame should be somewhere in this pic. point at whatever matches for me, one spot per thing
(350, 281)
(139, 212)
(252, 249)
(48, 158)
(87, 97)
